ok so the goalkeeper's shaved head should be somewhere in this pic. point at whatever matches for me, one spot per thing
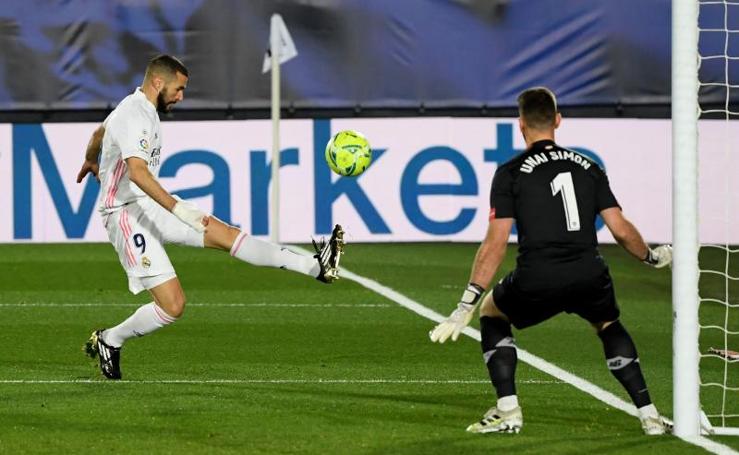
(537, 107)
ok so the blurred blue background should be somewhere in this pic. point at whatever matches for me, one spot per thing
(360, 54)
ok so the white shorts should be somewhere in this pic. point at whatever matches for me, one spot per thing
(138, 232)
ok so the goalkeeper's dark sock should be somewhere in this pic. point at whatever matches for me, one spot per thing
(499, 354)
(623, 361)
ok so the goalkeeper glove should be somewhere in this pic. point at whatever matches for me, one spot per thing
(458, 320)
(190, 215)
(659, 257)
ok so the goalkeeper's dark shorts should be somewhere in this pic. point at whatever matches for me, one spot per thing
(592, 299)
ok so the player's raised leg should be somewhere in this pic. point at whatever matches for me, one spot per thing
(499, 354)
(167, 307)
(323, 265)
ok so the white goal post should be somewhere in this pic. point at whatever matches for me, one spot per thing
(685, 274)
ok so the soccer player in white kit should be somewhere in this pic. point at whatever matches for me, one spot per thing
(140, 216)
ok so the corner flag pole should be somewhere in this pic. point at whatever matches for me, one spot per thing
(274, 46)
(281, 49)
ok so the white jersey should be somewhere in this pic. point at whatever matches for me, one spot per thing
(131, 130)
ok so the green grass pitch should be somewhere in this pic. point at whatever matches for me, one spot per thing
(265, 361)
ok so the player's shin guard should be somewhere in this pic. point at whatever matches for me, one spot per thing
(146, 319)
(261, 253)
(623, 361)
(499, 354)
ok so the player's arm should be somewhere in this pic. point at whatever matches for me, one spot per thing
(91, 155)
(631, 240)
(138, 173)
(491, 252)
(489, 256)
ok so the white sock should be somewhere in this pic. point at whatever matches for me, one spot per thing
(259, 252)
(649, 410)
(146, 319)
(508, 403)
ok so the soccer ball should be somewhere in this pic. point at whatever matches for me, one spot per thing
(348, 153)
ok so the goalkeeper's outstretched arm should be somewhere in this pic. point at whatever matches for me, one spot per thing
(631, 240)
(488, 259)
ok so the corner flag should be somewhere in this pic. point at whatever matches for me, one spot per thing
(285, 42)
(281, 49)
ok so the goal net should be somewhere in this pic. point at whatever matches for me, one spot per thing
(718, 145)
(705, 113)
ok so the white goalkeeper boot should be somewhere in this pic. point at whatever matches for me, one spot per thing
(654, 426)
(496, 421)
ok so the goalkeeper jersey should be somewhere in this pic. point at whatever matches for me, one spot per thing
(554, 194)
(131, 130)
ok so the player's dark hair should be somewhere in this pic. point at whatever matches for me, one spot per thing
(166, 64)
(538, 107)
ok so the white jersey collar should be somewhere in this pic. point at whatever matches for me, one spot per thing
(139, 93)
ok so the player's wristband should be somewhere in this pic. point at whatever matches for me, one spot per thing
(651, 259)
(472, 294)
